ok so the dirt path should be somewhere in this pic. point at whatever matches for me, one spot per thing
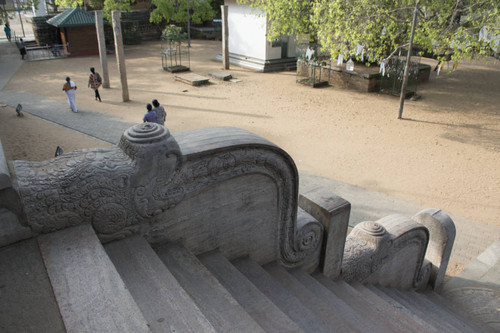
(445, 154)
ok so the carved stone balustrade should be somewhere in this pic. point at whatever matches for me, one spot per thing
(400, 252)
(217, 188)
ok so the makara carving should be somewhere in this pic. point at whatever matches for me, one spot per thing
(129, 189)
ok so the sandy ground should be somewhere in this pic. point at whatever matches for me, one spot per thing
(444, 154)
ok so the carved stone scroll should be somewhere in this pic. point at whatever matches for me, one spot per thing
(389, 252)
(442, 235)
(205, 188)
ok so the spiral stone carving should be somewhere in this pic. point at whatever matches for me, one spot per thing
(373, 228)
(309, 237)
(390, 251)
(146, 133)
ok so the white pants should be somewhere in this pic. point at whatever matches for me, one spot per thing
(71, 99)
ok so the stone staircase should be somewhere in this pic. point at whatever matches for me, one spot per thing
(207, 232)
(68, 281)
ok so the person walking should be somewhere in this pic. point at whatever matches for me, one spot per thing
(150, 116)
(6, 29)
(161, 115)
(69, 88)
(95, 82)
(22, 48)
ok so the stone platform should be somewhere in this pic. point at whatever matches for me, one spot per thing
(192, 79)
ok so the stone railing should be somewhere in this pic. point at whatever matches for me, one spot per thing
(217, 188)
(400, 252)
(226, 189)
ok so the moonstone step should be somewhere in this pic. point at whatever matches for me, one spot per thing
(91, 295)
(216, 303)
(165, 305)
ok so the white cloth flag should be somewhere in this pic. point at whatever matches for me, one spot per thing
(382, 68)
(309, 53)
(340, 60)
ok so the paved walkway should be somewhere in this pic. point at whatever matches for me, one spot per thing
(472, 237)
(95, 124)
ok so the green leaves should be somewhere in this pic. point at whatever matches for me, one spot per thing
(69, 3)
(176, 11)
(444, 27)
(111, 5)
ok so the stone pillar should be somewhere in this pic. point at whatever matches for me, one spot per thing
(225, 38)
(333, 213)
(102, 48)
(120, 54)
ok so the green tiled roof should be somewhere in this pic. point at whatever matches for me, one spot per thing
(73, 17)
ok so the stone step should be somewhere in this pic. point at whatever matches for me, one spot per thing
(355, 300)
(422, 321)
(317, 305)
(484, 270)
(457, 320)
(11, 231)
(165, 305)
(27, 302)
(406, 322)
(475, 290)
(90, 293)
(442, 323)
(470, 320)
(260, 308)
(192, 79)
(222, 76)
(216, 303)
(288, 303)
(355, 320)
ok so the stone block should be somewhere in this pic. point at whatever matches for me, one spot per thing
(333, 213)
(222, 76)
(192, 79)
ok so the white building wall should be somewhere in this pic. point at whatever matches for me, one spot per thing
(273, 52)
(247, 31)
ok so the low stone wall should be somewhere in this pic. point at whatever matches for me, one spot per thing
(355, 80)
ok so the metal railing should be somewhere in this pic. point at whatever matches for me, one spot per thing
(46, 52)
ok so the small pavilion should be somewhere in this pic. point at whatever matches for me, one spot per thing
(77, 28)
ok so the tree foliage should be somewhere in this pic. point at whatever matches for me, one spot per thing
(444, 27)
(286, 17)
(69, 3)
(176, 11)
(107, 6)
(112, 5)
